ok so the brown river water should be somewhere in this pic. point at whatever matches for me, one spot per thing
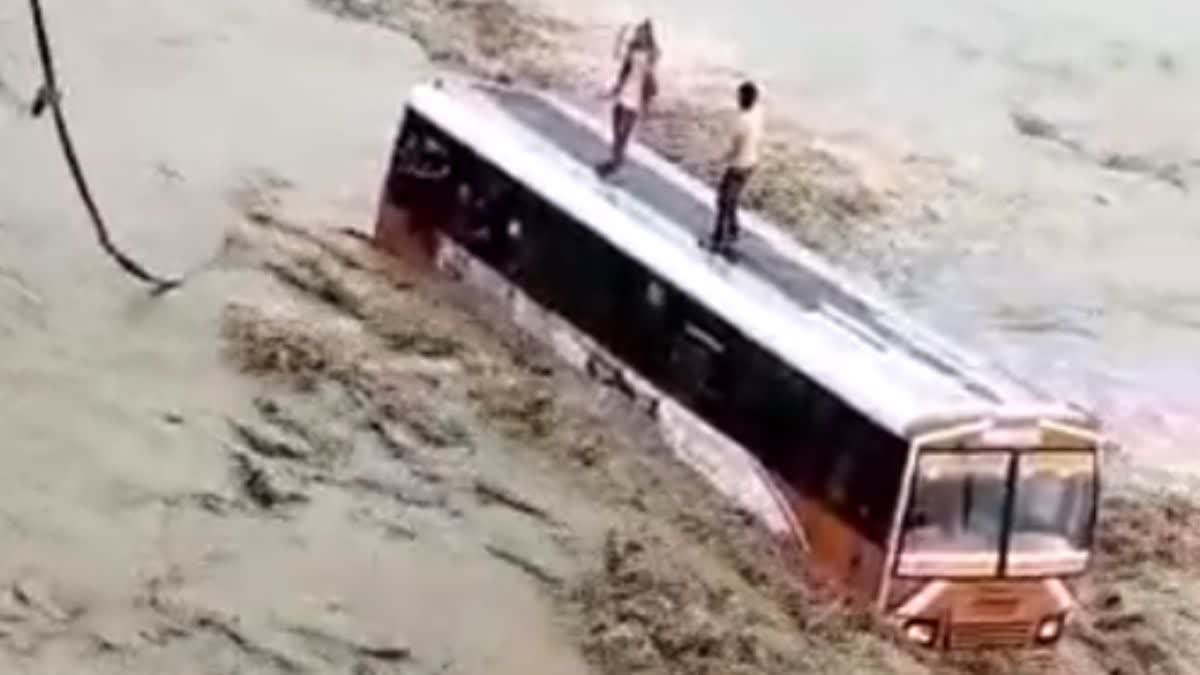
(1067, 254)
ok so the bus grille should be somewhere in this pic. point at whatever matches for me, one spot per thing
(990, 634)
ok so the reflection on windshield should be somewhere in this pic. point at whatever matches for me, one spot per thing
(1052, 511)
(958, 507)
(955, 521)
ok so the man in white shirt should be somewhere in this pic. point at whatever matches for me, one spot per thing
(635, 88)
(742, 159)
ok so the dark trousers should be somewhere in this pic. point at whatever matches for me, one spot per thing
(623, 121)
(729, 193)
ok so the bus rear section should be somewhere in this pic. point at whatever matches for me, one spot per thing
(414, 203)
(991, 536)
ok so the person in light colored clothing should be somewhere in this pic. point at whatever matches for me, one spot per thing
(743, 157)
(635, 88)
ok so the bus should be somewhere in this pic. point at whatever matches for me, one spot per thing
(956, 501)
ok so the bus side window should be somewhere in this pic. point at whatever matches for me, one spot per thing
(550, 244)
(541, 235)
(845, 465)
(566, 267)
(649, 307)
(696, 362)
(874, 481)
(821, 439)
(798, 396)
(758, 409)
(883, 484)
(655, 296)
(488, 220)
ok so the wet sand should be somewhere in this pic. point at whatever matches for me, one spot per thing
(306, 461)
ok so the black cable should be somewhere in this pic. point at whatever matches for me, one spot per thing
(49, 96)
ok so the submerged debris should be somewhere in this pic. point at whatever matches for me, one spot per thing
(32, 595)
(312, 277)
(1033, 125)
(526, 411)
(343, 640)
(266, 442)
(650, 612)
(1146, 531)
(419, 340)
(1029, 123)
(490, 493)
(1170, 173)
(533, 569)
(259, 485)
(263, 346)
(391, 528)
(228, 628)
(432, 427)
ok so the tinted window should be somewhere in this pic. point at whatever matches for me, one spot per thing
(570, 270)
(487, 219)
(698, 365)
(876, 479)
(811, 439)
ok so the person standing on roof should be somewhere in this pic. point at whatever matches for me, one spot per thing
(636, 87)
(743, 157)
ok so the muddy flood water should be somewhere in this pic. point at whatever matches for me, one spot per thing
(308, 460)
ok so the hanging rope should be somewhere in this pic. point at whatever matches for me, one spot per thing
(49, 96)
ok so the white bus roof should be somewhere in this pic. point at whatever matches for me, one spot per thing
(780, 295)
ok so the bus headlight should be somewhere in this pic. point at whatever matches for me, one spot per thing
(1049, 629)
(920, 632)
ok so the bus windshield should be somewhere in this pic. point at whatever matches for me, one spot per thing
(961, 506)
(1052, 513)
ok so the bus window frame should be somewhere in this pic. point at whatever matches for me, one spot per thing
(892, 554)
(1002, 535)
(1093, 511)
(1006, 530)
